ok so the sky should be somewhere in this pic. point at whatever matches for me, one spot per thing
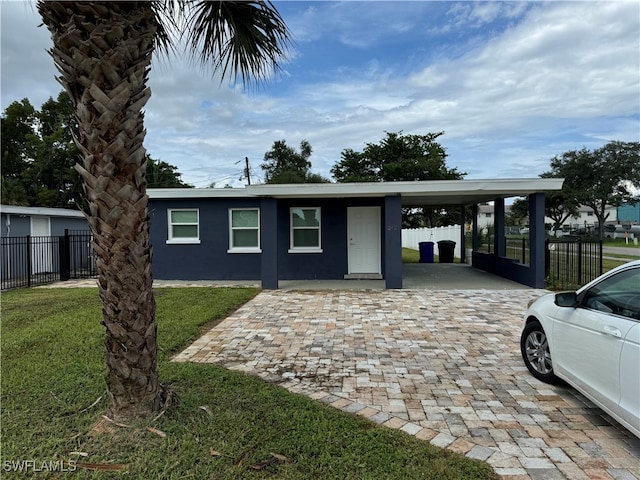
(511, 85)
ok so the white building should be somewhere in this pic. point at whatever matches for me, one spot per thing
(586, 217)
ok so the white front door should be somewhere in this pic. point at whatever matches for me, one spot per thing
(41, 245)
(363, 237)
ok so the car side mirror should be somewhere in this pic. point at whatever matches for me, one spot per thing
(566, 299)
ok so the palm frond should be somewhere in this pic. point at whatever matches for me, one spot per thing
(240, 38)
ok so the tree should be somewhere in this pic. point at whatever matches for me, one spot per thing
(103, 52)
(163, 175)
(54, 180)
(518, 212)
(599, 178)
(39, 154)
(356, 167)
(401, 157)
(283, 164)
(17, 124)
(559, 205)
(397, 157)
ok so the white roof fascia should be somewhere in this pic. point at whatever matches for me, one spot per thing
(41, 211)
(432, 188)
(518, 186)
(177, 193)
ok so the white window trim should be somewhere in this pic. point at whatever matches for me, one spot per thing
(293, 249)
(233, 249)
(182, 240)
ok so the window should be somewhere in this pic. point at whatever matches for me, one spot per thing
(617, 295)
(184, 226)
(305, 230)
(244, 230)
(488, 215)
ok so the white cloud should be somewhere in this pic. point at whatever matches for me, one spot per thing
(512, 84)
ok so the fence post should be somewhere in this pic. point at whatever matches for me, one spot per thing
(547, 258)
(579, 262)
(29, 253)
(64, 247)
(600, 256)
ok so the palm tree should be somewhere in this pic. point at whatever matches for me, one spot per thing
(103, 52)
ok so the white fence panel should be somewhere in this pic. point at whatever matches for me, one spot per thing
(411, 237)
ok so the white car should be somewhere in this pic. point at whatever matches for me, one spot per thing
(591, 340)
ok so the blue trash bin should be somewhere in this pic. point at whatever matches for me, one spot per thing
(426, 252)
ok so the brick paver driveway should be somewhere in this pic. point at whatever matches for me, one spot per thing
(441, 365)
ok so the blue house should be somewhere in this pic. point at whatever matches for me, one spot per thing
(322, 231)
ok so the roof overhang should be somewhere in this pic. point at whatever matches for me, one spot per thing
(44, 211)
(414, 194)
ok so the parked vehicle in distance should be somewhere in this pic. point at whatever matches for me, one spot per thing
(591, 339)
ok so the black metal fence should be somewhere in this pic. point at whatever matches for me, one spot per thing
(518, 249)
(572, 263)
(515, 248)
(569, 263)
(31, 260)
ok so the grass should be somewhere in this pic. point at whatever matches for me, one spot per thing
(410, 256)
(224, 423)
(413, 256)
(619, 242)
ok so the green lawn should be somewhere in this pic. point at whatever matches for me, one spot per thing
(224, 424)
(410, 256)
(619, 242)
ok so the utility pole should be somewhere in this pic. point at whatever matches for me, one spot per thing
(247, 171)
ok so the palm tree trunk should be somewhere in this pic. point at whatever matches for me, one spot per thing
(103, 52)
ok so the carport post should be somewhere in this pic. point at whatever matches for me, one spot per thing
(393, 241)
(499, 239)
(474, 228)
(463, 225)
(537, 238)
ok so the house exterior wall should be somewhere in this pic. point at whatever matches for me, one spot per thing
(332, 262)
(210, 260)
(486, 216)
(20, 224)
(587, 217)
(59, 225)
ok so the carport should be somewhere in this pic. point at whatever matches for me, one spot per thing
(475, 192)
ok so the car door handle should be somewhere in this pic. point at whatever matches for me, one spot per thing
(613, 331)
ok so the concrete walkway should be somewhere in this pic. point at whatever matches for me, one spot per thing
(443, 366)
